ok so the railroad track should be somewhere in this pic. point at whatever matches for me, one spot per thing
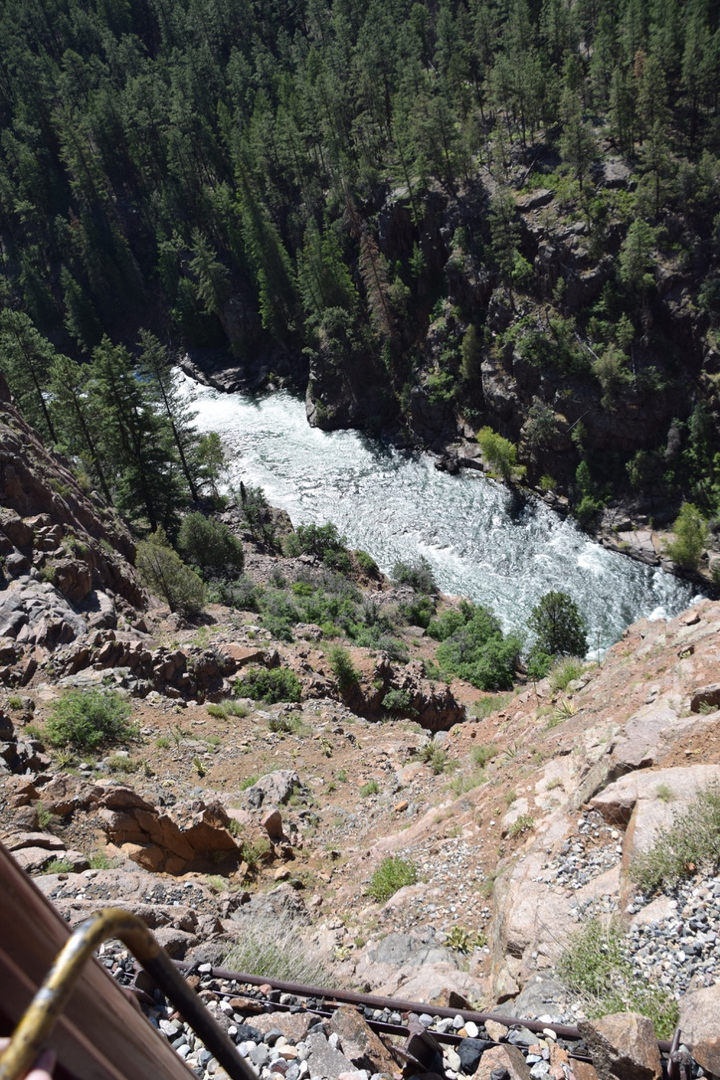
(421, 1042)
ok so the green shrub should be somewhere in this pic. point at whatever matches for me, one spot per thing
(691, 841)
(15, 703)
(486, 706)
(372, 637)
(419, 612)
(538, 665)
(521, 825)
(87, 719)
(217, 712)
(322, 541)
(100, 861)
(342, 668)
(439, 761)
(393, 873)
(269, 686)
(279, 613)
(418, 574)
(235, 708)
(165, 574)
(371, 788)
(596, 965)
(398, 701)
(241, 594)
(121, 764)
(448, 623)
(500, 453)
(477, 650)
(340, 561)
(209, 544)
(58, 866)
(286, 725)
(366, 563)
(463, 783)
(691, 532)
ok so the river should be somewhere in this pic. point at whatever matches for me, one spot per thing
(481, 541)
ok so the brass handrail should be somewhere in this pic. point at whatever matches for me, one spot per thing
(39, 1019)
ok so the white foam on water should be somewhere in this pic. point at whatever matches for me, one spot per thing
(480, 539)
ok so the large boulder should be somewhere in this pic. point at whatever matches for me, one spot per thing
(193, 836)
(622, 1047)
(699, 1013)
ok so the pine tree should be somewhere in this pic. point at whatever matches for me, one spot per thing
(25, 358)
(577, 144)
(76, 421)
(156, 366)
(136, 438)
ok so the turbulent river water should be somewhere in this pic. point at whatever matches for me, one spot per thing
(481, 541)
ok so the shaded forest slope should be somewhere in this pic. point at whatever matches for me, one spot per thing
(433, 216)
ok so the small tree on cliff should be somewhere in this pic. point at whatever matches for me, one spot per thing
(165, 574)
(558, 626)
(691, 534)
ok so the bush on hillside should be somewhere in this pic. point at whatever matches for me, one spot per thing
(451, 621)
(418, 574)
(391, 874)
(596, 966)
(500, 453)
(342, 668)
(398, 701)
(691, 534)
(87, 719)
(322, 541)
(476, 649)
(691, 841)
(269, 686)
(208, 544)
(166, 575)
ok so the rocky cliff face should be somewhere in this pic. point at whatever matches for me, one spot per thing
(66, 557)
(539, 371)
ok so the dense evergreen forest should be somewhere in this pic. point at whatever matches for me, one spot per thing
(463, 214)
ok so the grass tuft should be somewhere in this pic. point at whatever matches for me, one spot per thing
(692, 840)
(596, 966)
(565, 671)
(521, 825)
(274, 950)
(390, 875)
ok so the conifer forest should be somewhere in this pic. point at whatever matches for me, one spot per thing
(497, 216)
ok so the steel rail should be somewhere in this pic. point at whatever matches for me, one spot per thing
(50, 1000)
(381, 1026)
(349, 997)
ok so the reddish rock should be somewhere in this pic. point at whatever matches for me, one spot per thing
(503, 1057)
(700, 1027)
(242, 655)
(272, 823)
(35, 859)
(360, 1043)
(19, 532)
(622, 1047)
(65, 793)
(34, 839)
